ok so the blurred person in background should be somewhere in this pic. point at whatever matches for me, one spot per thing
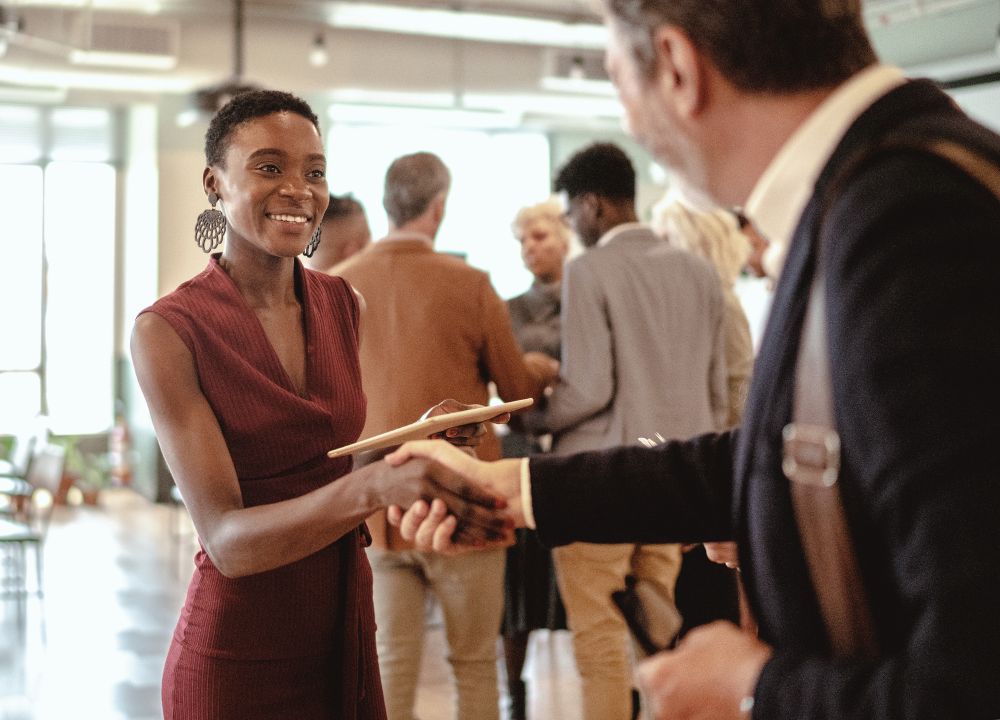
(643, 353)
(714, 236)
(434, 325)
(531, 593)
(345, 231)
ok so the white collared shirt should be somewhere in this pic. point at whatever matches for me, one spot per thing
(780, 196)
(618, 230)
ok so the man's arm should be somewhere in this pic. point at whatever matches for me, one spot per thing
(502, 359)
(587, 375)
(680, 491)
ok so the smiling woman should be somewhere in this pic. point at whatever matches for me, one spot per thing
(251, 373)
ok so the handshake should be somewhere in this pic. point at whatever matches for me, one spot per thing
(440, 496)
(443, 499)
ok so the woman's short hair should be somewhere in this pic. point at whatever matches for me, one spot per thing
(550, 210)
(247, 106)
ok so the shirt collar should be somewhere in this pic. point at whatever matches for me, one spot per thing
(408, 235)
(618, 230)
(781, 194)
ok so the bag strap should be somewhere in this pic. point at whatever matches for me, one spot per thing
(811, 450)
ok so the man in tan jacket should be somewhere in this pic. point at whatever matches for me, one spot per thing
(433, 327)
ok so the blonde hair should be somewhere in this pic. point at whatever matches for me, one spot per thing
(550, 210)
(713, 235)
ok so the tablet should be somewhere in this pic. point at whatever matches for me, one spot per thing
(421, 429)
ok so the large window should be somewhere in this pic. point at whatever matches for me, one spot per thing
(494, 174)
(57, 241)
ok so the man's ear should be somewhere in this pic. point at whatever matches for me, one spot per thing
(597, 202)
(438, 206)
(680, 70)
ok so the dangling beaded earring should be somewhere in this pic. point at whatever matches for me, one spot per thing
(210, 227)
(313, 242)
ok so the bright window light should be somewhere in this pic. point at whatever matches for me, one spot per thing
(422, 116)
(21, 269)
(80, 246)
(20, 134)
(493, 176)
(20, 393)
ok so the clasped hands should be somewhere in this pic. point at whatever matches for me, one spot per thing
(712, 673)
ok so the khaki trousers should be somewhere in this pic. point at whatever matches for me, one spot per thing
(587, 576)
(469, 589)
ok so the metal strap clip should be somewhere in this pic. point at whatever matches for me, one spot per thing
(811, 454)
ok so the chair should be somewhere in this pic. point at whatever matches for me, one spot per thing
(44, 473)
(14, 486)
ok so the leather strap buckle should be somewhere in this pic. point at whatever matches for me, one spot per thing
(810, 454)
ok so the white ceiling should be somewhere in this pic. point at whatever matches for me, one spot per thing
(943, 38)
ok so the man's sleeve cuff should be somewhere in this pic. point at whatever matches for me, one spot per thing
(526, 506)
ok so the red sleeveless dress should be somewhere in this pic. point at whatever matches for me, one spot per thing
(298, 641)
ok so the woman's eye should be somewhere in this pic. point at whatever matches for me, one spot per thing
(269, 168)
(320, 174)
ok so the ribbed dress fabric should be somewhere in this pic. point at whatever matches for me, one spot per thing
(298, 641)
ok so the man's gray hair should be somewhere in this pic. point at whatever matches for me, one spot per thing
(411, 183)
(777, 46)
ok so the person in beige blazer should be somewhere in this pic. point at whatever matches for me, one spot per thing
(433, 327)
(643, 353)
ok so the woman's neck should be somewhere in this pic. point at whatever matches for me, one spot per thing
(265, 281)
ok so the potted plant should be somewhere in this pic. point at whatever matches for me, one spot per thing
(86, 469)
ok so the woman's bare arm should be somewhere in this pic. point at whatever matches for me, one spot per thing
(242, 541)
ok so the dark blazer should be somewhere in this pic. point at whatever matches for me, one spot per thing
(912, 259)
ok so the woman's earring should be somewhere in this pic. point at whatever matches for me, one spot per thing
(210, 227)
(313, 242)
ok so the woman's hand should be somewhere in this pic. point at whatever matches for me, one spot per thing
(430, 527)
(463, 435)
(478, 514)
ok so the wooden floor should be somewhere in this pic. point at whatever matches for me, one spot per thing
(114, 580)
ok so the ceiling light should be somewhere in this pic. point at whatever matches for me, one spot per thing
(318, 56)
(541, 104)
(463, 25)
(422, 116)
(126, 60)
(33, 95)
(394, 97)
(583, 86)
(124, 82)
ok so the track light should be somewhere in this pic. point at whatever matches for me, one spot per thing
(318, 56)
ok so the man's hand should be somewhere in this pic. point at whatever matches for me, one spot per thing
(708, 677)
(477, 512)
(542, 366)
(430, 527)
(724, 553)
(463, 435)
